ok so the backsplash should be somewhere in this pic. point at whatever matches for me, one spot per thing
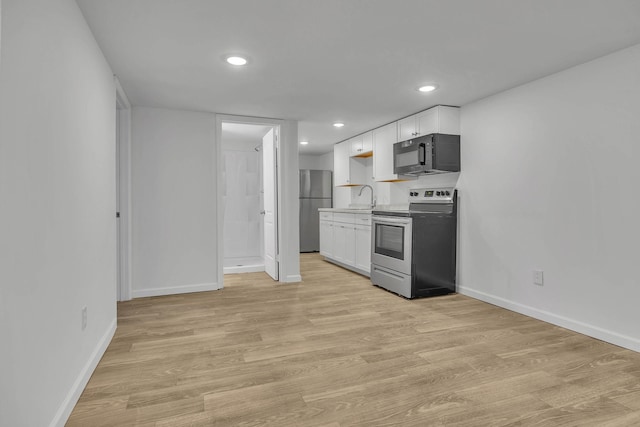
(391, 193)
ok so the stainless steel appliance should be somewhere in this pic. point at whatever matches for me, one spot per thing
(315, 192)
(413, 252)
(434, 153)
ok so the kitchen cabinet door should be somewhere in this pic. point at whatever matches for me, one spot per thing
(349, 232)
(438, 119)
(355, 145)
(362, 145)
(448, 120)
(367, 142)
(363, 247)
(339, 242)
(383, 140)
(347, 171)
(427, 122)
(326, 239)
(341, 158)
(407, 128)
(344, 243)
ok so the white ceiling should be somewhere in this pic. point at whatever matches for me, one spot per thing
(357, 61)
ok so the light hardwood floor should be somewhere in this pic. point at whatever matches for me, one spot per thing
(336, 351)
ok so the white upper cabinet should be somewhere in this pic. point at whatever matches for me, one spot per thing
(349, 169)
(407, 128)
(438, 119)
(341, 163)
(346, 171)
(383, 140)
(362, 145)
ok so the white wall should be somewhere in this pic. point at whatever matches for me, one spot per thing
(289, 208)
(173, 202)
(319, 162)
(57, 222)
(549, 181)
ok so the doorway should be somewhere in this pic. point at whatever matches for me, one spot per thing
(123, 193)
(249, 197)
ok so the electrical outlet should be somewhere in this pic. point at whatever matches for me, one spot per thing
(84, 318)
(538, 277)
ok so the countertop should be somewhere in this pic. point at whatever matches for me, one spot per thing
(347, 210)
(367, 210)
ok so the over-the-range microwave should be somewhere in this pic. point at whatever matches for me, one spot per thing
(434, 153)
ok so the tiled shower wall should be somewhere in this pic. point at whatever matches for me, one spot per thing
(242, 175)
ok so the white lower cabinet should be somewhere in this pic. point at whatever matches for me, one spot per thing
(344, 243)
(326, 238)
(345, 238)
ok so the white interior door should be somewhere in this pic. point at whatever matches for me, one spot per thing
(269, 169)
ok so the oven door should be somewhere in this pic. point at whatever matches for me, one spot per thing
(391, 243)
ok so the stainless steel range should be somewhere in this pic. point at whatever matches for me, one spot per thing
(413, 252)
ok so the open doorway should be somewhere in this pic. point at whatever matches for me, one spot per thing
(249, 197)
(123, 194)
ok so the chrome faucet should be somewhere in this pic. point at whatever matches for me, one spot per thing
(372, 204)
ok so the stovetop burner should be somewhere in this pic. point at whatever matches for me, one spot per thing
(424, 200)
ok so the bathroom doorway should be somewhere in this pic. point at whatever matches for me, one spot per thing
(243, 175)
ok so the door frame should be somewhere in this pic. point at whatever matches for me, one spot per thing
(277, 124)
(123, 192)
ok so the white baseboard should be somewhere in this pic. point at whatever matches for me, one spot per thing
(292, 278)
(80, 383)
(565, 322)
(186, 289)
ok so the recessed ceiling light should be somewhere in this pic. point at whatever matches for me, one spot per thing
(427, 88)
(304, 142)
(236, 60)
(338, 124)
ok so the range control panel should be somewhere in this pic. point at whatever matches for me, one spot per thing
(431, 195)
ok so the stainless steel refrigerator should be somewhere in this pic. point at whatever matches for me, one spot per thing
(316, 188)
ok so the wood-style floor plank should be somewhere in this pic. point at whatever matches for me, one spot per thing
(335, 351)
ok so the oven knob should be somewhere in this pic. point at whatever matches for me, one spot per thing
(413, 193)
(437, 193)
(447, 193)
